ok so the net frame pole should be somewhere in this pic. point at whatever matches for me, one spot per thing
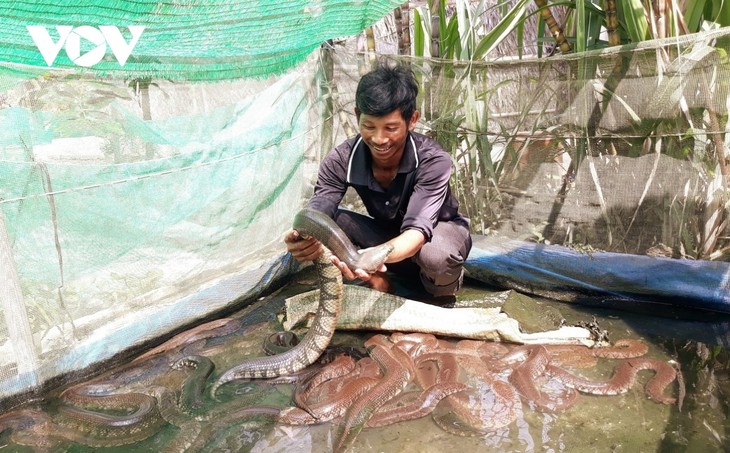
(13, 308)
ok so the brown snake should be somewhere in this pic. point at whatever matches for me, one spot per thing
(470, 387)
(313, 223)
(395, 378)
(623, 378)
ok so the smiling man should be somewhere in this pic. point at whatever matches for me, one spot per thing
(402, 178)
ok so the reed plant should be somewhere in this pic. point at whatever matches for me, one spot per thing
(458, 91)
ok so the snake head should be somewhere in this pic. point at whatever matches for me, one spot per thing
(372, 258)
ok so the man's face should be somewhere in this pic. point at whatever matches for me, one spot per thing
(386, 135)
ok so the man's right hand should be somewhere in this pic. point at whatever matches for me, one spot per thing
(302, 248)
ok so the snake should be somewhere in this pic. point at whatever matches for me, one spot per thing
(88, 413)
(215, 328)
(339, 367)
(191, 396)
(623, 378)
(525, 378)
(334, 406)
(97, 429)
(422, 405)
(31, 427)
(480, 383)
(312, 223)
(396, 375)
(100, 413)
(86, 425)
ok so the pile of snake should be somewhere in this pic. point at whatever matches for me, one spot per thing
(403, 376)
(467, 387)
(455, 378)
(88, 413)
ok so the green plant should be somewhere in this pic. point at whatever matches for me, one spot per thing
(458, 92)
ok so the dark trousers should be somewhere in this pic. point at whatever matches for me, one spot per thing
(440, 262)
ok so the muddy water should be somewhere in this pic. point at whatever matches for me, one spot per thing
(624, 423)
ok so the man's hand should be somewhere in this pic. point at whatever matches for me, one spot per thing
(302, 248)
(307, 248)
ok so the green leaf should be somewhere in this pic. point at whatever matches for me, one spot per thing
(580, 26)
(450, 39)
(693, 14)
(631, 16)
(504, 27)
(723, 13)
(540, 33)
(418, 33)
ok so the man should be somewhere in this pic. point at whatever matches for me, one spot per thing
(402, 178)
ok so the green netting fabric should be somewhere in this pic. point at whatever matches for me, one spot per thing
(188, 168)
(134, 199)
(132, 209)
(131, 205)
(181, 39)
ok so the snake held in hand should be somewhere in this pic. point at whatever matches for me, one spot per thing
(309, 222)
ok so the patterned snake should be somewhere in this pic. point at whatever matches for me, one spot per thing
(313, 223)
(481, 384)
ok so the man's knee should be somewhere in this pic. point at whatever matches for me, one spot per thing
(435, 260)
(442, 271)
(446, 284)
(441, 261)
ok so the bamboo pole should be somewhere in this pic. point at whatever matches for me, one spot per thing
(555, 29)
(403, 28)
(614, 38)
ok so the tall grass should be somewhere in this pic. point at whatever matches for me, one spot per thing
(458, 93)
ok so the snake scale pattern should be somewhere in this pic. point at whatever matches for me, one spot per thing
(354, 393)
(313, 223)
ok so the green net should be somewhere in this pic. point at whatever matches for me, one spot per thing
(180, 39)
(111, 216)
(136, 199)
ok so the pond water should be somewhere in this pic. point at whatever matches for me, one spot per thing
(629, 422)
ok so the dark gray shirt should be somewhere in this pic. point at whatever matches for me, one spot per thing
(418, 197)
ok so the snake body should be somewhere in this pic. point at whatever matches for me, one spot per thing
(191, 396)
(525, 377)
(97, 429)
(423, 405)
(623, 378)
(316, 224)
(396, 376)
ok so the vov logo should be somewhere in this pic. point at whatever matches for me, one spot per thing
(71, 37)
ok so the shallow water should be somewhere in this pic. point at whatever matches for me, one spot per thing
(629, 422)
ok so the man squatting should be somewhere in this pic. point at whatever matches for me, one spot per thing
(402, 178)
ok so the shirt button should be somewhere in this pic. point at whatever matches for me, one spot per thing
(387, 203)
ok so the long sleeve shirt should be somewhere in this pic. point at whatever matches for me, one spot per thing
(418, 197)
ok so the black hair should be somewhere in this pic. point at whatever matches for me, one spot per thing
(386, 89)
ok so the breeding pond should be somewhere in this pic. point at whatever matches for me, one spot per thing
(162, 401)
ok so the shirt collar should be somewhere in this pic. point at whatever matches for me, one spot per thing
(358, 167)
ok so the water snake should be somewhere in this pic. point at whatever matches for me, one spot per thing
(191, 396)
(623, 378)
(88, 426)
(215, 328)
(526, 378)
(422, 405)
(313, 223)
(470, 387)
(396, 376)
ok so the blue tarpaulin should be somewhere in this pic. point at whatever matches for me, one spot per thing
(613, 280)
